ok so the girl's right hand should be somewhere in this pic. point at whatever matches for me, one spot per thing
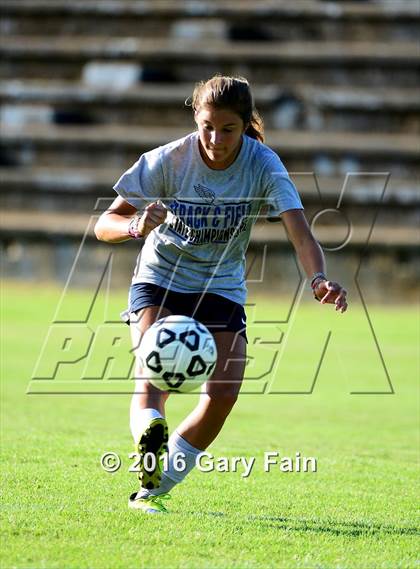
(153, 215)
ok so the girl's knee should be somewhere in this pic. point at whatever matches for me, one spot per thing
(143, 388)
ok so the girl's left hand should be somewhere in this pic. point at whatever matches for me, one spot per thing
(329, 292)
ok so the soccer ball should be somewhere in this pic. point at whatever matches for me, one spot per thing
(177, 354)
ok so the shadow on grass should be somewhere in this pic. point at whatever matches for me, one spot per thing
(351, 529)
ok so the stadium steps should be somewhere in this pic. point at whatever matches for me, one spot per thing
(303, 106)
(240, 18)
(89, 190)
(27, 186)
(120, 146)
(50, 225)
(358, 63)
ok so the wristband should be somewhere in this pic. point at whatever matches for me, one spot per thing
(133, 227)
(316, 277)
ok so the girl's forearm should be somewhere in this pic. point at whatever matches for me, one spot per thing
(311, 256)
(112, 228)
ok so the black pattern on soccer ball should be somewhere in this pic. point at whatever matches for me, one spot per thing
(153, 362)
(191, 339)
(200, 328)
(196, 366)
(161, 341)
(211, 368)
(173, 380)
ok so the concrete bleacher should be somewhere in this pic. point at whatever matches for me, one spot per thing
(232, 19)
(120, 146)
(304, 106)
(94, 82)
(163, 59)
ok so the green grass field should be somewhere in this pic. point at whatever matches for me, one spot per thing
(61, 509)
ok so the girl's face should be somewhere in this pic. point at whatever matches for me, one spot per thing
(220, 133)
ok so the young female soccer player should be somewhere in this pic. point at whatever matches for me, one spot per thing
(194, 201)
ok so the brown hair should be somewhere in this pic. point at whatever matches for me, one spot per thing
(234, 94)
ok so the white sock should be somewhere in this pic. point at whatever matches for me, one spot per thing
(178, 447)
(140, 418)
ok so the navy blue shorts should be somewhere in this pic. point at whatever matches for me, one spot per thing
(216, 312)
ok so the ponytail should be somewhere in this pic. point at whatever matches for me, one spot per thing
(255, 128)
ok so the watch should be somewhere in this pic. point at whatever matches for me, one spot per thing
(133, 227)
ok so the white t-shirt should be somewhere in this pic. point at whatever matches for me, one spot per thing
(202, 244)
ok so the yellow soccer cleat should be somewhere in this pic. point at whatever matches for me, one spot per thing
(148, 503)
(151, 447)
